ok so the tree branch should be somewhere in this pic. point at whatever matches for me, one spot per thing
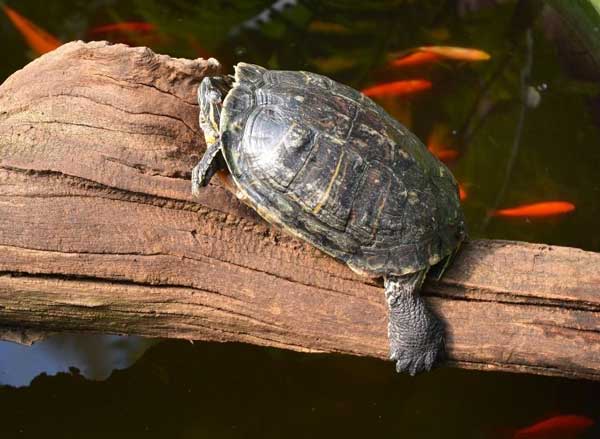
(99, 232)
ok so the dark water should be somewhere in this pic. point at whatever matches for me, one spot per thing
(523, 134)
(232, 390)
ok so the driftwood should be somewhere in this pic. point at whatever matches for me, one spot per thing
(99, 232)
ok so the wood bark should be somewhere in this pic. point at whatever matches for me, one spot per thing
(99, 232)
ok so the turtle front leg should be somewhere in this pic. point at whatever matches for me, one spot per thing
(210, 163)
(416, 335)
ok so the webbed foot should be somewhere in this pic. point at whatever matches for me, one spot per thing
(416, 335)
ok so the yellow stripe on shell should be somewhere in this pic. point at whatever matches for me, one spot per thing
(325, 196)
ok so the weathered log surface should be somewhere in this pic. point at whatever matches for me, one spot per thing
(99, 232)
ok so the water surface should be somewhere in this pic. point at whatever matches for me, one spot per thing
(523, 135)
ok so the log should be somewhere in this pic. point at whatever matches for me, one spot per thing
(99, 232)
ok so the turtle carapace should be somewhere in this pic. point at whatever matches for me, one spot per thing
(330, 166)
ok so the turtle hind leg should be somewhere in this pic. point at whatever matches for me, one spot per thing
(211, 162)
(416, 335)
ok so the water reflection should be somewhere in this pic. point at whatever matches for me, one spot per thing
(233, 390)
(95, 356)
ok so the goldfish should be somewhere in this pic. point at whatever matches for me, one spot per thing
(398, 88)
(436, 143)
(559, 427)
(457, 53)
(124, 26)
(416, 59)
(462, 192)
(430, 54)
(542, 209)
(39, 40)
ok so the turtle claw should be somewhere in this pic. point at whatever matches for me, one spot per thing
(415, 362)
(403, 364)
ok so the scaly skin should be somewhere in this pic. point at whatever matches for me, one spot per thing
(416, 335)
(206, 167)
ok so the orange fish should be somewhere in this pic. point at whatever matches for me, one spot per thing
(430, 54)
(542, 209)
(398, 88)
(124, 26)
(437, 144)
(462, 193)
(558, 427)
(37, 38)
(456, 53)
(416, 59)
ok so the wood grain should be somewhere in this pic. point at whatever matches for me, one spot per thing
(99, 232)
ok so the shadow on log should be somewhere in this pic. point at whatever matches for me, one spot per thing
(99, 232)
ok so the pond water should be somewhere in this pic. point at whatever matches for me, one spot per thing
(520, 128)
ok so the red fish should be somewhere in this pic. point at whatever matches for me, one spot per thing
(556, 427)
(462, 192)
(456, 53)
(542, 209)
(416, 59)
(437, 144)
(398, 88)
(124, 26)
(430, 54)
(37, 38)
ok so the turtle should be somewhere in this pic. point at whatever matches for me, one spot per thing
(327, 164)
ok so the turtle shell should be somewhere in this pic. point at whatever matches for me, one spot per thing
(327, 164)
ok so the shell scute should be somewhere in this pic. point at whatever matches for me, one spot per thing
(329, 165)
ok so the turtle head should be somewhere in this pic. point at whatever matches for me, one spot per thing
(211, 94)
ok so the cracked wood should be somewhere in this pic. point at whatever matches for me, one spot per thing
(99, 232)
